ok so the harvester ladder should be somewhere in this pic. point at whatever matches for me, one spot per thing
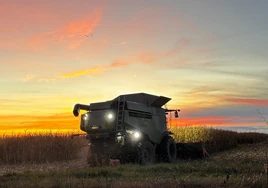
(120, 115)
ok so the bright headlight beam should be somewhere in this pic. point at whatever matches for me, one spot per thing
(110, 116)
(85, 117)
(137, 135)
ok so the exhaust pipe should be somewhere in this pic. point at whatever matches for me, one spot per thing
(79, 107)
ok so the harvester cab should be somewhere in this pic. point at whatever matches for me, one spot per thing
(131, 128)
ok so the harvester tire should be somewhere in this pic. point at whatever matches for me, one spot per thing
(167, 150)
(146, 153)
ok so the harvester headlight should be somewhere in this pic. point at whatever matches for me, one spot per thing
(110, 116)
(136, 135)
(85, 117)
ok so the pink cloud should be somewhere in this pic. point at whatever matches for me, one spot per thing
(71, 34)
(256, 102)
(119, 63)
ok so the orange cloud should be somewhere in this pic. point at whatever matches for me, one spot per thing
(257, 102)
(71, 34)
(142, 58)
(98, 69)
(87, 71)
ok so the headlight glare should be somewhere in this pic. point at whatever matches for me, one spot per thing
(110, 116)
(136, 135)
(85, 117)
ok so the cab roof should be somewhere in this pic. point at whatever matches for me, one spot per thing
(144, 98)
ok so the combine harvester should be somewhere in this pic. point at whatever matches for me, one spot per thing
(132, 128)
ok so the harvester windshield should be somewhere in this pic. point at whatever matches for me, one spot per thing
(98, 120)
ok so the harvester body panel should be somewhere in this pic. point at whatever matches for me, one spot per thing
(149, 120)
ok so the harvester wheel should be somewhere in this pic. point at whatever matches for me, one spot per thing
(146, 153)
(167, 150)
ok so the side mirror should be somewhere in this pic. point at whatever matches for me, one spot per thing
(176, 114)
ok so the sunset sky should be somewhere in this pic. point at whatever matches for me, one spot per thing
(209, 56)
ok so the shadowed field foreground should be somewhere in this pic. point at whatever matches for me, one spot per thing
(242, 166)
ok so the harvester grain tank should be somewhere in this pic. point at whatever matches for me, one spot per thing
(131, 128)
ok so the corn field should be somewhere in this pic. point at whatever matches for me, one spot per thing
(52, 147)
(215, 139)
(37, 148)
